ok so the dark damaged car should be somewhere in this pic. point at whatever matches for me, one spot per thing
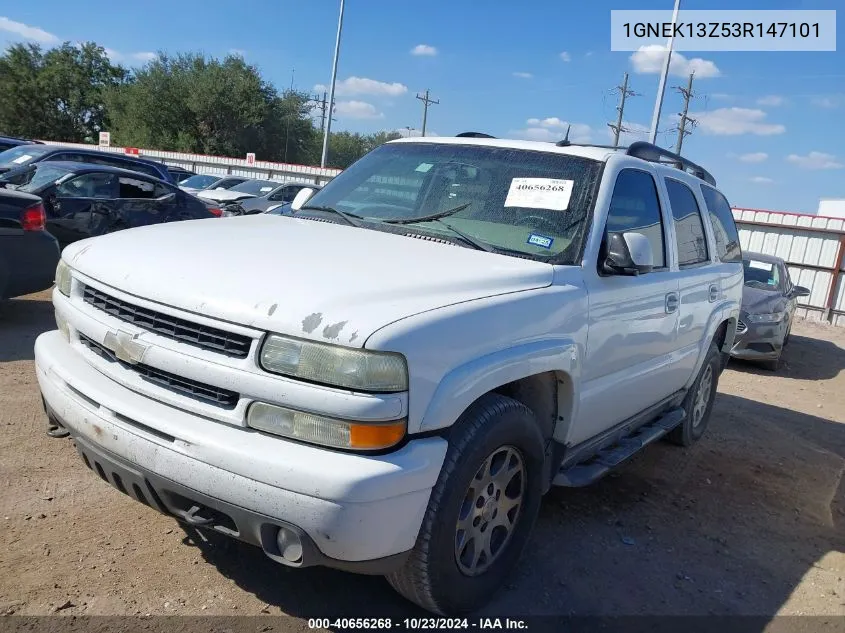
(83, 200)
(769, 299)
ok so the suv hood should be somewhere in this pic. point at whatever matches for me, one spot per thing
(306, 278)
(223, 195)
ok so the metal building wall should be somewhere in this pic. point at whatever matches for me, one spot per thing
(812, 247)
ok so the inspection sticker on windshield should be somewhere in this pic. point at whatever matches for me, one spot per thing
(424, 167)
(540, 193)
(540, 240)
(22, 159)
(760, 265)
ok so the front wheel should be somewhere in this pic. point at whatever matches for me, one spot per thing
(698, 403)
(481, 510)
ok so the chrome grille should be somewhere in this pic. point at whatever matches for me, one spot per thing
(202, 336)
(201, 391)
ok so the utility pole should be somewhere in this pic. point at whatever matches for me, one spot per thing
(661, 87)
(327, 130)
(287, 125)
(682, 126)
(427, 101)
(624, 93)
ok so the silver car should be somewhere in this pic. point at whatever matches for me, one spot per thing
(768, 305)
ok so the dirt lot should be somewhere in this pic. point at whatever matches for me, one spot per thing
(749, 521)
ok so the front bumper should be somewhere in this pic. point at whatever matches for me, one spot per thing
(761, 341)
(354, 512)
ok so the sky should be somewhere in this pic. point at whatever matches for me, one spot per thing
(769, 124)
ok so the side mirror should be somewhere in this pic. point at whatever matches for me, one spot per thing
(628, 254)
(301, 198)
(800, 291)
(168, 197)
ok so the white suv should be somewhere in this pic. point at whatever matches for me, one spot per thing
(389, 379)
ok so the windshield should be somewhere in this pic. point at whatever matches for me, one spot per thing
(516, 201)
(256, 187)
(761, 274)
(21, 154)
(199, 182)
(34, 177)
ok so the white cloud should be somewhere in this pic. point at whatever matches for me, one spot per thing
(754, 157)
(553, 129)
(523, 75)
(736, 121)
(771, 101)
(357, 110)
(815, 160)
(589, 54)
(143, 56)
(761, 180)
(424, 50)
(363, 86)
(828, 102)
(721, 96)
(27, 32)
(566, 56)
(237, 51)
(648, 60)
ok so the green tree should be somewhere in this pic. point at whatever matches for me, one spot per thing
(193, 103)
(347, 147)
(57, 95)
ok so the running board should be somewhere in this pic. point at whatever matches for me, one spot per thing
(609, 458)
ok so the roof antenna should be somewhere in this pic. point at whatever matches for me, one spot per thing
(565, 140)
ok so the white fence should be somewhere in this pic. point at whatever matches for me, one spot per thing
(813, 248)
(222, 165)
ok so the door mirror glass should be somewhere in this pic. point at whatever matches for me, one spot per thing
(628, 253)
(301, 198)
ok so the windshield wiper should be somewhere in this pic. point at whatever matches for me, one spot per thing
(427, 218)
(351, 218)
(437, 217)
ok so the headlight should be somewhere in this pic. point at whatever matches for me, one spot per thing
(317, 429)
(774, 317)
(335, 365)
(63, 278)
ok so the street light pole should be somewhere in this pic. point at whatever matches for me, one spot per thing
(661, 88)
(328, 129)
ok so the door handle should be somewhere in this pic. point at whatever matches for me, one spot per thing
(714, 293)
(672, 302)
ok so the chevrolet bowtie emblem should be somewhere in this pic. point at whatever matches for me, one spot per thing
(125, 346)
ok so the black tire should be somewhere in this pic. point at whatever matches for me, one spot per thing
(694, 425)
(431, 576)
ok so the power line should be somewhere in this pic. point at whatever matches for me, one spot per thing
(685, 120)
(624, 93)
(427, 101)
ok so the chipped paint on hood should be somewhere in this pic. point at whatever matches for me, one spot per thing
(293, 276)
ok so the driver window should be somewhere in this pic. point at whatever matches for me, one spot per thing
(101, 186)
(635, 207)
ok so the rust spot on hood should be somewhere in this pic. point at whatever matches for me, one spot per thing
(333, 331)
(312, 322)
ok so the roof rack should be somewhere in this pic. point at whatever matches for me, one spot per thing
(473, 135)
(655, 154)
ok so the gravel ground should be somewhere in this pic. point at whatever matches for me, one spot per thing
(750, 521)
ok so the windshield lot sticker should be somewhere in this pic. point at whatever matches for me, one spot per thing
(540, 240)
(22, 159)
(760, 265)
(424, 167)
(539, 193)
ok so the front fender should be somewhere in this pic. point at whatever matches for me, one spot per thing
(466, 383)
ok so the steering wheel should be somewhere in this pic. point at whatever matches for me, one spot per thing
(538, 222)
